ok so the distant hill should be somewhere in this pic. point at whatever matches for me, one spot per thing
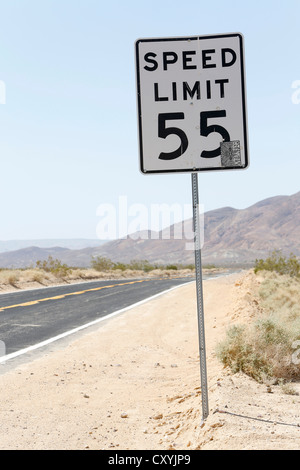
(243, 235)
(27, 257)
(74, 244)
(232, 237)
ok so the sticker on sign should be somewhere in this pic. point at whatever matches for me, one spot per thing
(191, 103)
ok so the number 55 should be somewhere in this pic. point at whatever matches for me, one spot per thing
(205, 130)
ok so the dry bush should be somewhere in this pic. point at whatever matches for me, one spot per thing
(13, 279)
(9, 277)
(263, 349)
(33, 275)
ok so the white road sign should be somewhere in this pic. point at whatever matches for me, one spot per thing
(191, 103)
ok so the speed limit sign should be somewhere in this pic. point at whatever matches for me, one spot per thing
(191, 103)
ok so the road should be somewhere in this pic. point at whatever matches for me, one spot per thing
(31, 317)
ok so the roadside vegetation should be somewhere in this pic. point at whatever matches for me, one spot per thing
(279, 263)
(266, 349)
(101, 263)
(52, 271)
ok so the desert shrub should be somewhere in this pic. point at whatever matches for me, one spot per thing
(279, 263)
(37, 277)
(263, 349)
(240, 354)
(53, 266)
(141, 265)
(101, 263)
(172, 266)
(34, 275)
(188, 266)
(121, 266)
(13, 279)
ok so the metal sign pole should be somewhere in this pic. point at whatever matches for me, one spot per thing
(199, 289)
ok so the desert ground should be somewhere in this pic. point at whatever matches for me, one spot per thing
(133, 382)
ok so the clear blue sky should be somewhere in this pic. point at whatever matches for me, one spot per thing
(68, 130)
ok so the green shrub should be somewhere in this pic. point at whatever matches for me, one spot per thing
(141, 265)
(101, 263)
(188, 266)
(279, 263)
(54, 266)
(172, 266)
(121, 266)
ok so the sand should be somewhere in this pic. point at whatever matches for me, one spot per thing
(133, 382)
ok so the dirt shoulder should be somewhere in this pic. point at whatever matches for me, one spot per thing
(134, 383)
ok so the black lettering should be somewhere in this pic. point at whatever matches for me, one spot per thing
(156, 94)
(233, 57)
(173, 58)
(206, 57)
(174, 91)
(147, 58)
(187, 90)
(208, 90)
(186, 59)
(221, 83)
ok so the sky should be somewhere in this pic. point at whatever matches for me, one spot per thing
(68, 114)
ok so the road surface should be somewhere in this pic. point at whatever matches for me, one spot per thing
(31, 317)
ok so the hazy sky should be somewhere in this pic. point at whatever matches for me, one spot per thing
(68, 128)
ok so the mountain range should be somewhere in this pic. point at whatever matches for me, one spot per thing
(73, 243)
(232, 237)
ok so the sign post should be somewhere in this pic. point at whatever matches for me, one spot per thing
(199, 292)
(191, 104)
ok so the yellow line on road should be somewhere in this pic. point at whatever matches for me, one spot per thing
(33, 302)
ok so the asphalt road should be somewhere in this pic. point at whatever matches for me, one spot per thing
(32, 316)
